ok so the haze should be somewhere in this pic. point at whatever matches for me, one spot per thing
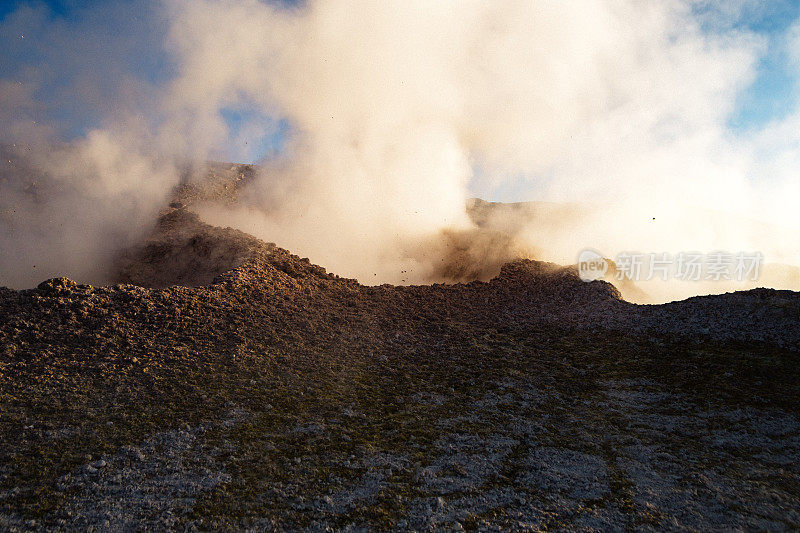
(374, 123)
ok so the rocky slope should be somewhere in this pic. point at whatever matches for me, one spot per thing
(230, 384)
(225, 383)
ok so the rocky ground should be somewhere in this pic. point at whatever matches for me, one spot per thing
(228, 384)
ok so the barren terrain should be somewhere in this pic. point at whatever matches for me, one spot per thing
(226, 383)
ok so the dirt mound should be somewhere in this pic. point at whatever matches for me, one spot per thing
(558, 286)
(184, 251)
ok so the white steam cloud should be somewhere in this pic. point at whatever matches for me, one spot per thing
(400, 111)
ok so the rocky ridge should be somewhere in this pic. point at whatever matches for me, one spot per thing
(228, 384)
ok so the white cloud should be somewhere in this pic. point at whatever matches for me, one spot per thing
(393, 104)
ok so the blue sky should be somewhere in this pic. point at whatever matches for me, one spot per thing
(124, 44)
(58, 7)
(137, 36)
(775, 90)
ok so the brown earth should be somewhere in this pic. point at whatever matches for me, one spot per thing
(228, 384)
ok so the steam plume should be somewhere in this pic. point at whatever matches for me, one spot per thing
(399, 112)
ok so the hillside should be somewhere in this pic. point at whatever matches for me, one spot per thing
(225, 383)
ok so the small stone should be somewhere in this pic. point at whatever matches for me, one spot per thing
(135, 453)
